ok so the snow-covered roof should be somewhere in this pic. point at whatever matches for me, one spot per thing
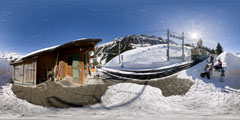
(34, 53)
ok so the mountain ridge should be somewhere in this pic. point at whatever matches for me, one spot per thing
(10, 56)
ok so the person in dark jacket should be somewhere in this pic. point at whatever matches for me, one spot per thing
(207, 71)
(219, 65)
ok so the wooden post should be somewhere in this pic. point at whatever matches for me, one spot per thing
(183, 46)
(119, 52)
(35, 72)
(13, 78)
(22, 74)
(168, 44)
(56, 66)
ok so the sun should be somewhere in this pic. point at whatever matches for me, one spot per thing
(194, 35)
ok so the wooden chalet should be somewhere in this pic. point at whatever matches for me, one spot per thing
(68, 61)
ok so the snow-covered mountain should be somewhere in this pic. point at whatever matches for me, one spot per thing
(10, 56)
(105, 52)
(238, 54)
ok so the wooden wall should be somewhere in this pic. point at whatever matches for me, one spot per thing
(46, 63)
(25, 72)
(68, 69)
(35, 71)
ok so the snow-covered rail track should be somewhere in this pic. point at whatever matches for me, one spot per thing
(145, 74)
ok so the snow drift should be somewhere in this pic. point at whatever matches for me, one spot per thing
(231, 63)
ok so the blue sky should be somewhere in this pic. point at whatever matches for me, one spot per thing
(28, 25)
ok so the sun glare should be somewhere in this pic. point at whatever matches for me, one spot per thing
(194, 35)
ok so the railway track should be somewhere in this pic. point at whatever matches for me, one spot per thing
(145, 74)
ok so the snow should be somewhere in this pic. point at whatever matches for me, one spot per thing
(148, 57)
(12, 107)
(148, 73)
(47, 49)
(37, 51)
(9, 55)
(231, 63)
(6, 71)
(206, 99)
(238, 54)
(132, 41)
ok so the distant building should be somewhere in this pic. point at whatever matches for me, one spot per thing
(200, 43)
(67, 61)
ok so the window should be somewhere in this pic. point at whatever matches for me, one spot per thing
(69, 60)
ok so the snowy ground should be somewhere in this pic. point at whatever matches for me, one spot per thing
(206, 99)
(149, 57)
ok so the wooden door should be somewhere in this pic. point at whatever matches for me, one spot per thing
(30, 72)
(18, 73)
(76, 68)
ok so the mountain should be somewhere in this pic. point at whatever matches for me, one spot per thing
(10, 56)
(105, 52)
(238, 54)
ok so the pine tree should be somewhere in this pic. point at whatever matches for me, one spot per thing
(219, 49)
(213, 51)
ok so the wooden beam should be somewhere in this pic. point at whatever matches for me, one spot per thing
(56, 65)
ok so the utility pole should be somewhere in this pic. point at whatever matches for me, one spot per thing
(168, 44)
(183, 46)
(122, 66)
(119, 51)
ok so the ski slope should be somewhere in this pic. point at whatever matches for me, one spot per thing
(149, 57)
(206, 99)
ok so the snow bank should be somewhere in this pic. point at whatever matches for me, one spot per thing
(135, 97)
(128, 99)
(148, 57)
(6, 71)
(12, 107)
(231, 63)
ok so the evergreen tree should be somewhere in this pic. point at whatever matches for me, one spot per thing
(213, 51)
(219, 49)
